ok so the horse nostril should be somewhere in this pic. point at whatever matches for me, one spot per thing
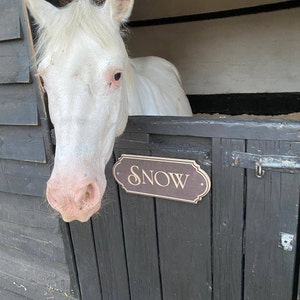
(90, 195)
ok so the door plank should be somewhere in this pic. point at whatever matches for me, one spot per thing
(272, 208)
(109, 243)
(86, 260)
(228, 222)
(139, 224)
(184, 230)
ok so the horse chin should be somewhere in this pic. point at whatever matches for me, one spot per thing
(84, 217)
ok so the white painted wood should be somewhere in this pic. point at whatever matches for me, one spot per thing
(247, 54)
(153, 9)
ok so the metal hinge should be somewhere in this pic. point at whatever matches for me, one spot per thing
(260, 163)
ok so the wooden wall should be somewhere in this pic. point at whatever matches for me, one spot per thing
(153, 9)
(32, 255)
(251, 53)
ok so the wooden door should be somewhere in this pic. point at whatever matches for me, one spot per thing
(231, 245)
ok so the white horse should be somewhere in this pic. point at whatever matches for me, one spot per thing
(92, 87)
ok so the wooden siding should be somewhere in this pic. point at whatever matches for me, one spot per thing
(18, 105)
(10, 23)
(32, 253)
(14, 63)
(23, 178)
(22, 143)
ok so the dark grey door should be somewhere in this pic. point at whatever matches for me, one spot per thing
(239, 242)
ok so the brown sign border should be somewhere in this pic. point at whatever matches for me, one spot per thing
(164, 160)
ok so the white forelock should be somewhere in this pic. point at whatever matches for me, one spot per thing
(83, 16)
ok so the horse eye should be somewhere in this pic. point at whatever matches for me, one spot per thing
(118, 76)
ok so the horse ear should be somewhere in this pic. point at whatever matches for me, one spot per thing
(41, 10)
(120, 10)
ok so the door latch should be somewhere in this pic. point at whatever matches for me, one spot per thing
(261, 163)
(259, 171)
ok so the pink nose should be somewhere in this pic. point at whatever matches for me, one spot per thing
(77, 200)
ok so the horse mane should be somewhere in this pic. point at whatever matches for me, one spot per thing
(80, 15)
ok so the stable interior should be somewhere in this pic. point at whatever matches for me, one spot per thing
(234, 58)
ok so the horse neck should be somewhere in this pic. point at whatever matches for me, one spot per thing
(134, 103)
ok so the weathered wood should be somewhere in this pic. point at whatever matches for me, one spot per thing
(184, 245)
(33, 268)
(22, 143)
(27, 290)
(30, 276)
(139, 223)
(70, 258)
(23, 178)
(272, 207)
(182, 251)
(239, 128)
(228, 222)
(184, 230)
(109, 243)
(86, 260)
(15, 63)
(44, 244)
(18, 105)
(36, 213)
(133, 140)
(184, 233)
(5, 294)
(10, 28)
(32, 259)
(18, 113)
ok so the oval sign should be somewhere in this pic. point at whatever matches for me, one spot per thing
(169, 178)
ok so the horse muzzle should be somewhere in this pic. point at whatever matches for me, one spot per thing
(74, 199)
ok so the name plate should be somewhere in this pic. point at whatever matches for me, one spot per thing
(169, 178)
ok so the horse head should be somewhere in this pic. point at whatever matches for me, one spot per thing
(84, 68)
